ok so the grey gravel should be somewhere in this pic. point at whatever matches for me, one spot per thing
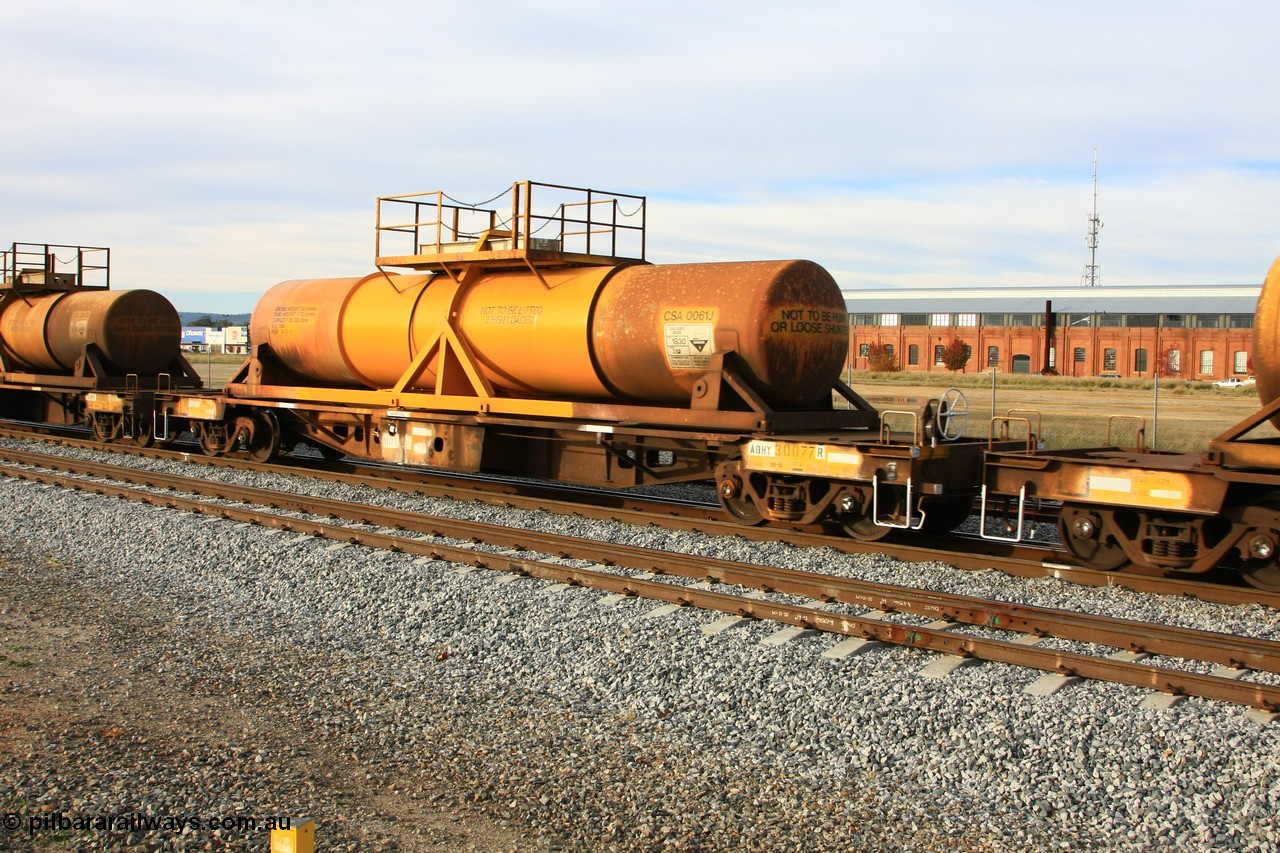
(438, 699)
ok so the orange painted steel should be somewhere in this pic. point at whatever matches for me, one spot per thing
(655, 329)
(597, 332)
(1266, 340)
(137, 330)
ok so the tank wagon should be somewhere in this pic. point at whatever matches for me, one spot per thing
(537, 340)
(72, 350)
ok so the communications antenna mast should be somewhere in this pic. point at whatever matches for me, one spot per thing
(1090, 276)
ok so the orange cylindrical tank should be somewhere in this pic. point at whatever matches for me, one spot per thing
(635, 331)
(656, 328)
(1266, 340)
(138, 331)
(528, 337)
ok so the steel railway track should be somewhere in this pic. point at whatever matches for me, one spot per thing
(965, 552)
(828, 598)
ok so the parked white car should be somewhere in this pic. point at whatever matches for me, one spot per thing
(1233, 382)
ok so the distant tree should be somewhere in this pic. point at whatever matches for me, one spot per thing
(955, 355)
(1167, 362)
(881, 359)
(207, 322)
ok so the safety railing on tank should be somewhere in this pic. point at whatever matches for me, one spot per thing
(53, 266)
(561, 223)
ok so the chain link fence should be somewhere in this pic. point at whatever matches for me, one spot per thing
(1064, 413)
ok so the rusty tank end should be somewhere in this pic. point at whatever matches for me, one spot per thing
(1266, 340)
(639, 332)
(138, 331)
(656, 328)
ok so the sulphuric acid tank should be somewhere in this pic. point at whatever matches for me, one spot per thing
(636, 332)
(138, 331)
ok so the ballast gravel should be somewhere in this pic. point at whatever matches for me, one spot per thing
(218, 670)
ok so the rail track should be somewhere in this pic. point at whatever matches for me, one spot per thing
(959, 550)
(963, 627)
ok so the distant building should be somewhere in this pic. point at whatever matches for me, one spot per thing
(1187, 332)
(229, 339)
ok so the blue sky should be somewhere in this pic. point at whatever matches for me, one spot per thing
(221, 148)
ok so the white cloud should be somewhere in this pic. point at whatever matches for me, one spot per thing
(917, 144)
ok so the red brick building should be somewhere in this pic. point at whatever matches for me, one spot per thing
(1184, 332)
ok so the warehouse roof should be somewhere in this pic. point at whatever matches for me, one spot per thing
(1131, 299)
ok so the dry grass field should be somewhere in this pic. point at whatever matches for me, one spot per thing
(1075, 412)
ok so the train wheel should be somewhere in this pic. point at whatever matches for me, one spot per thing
(265, 445)
(1262, 577)
(857, 508)
(863, 528)
(737, 503)
(1083, 535)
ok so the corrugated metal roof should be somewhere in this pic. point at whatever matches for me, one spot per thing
(1135, 299)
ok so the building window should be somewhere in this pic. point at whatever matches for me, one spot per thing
(1242, 362)
(863, 350)
(993, 320)
(1022, 363)
(966, 319)
(913, 354)
(1080, 355)
(1206, 362)
(1174, 321)
(940, 320)
(937, 353)
(1173, 361)
(1109, 359)
(1240, 321)
(915, 319)
(1053, 358)
(1111, 321)
(1142, 321)
(888, 319)
(888, 350)
(1208, 321)
(863, 320)
(993, 356)
(1140, 360)
(1024, 320)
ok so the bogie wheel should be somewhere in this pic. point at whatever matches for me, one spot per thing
(1083, 534)
(857, 521)
(1263, 576)
(265, 444)
(1259, 564)
(739, 505)
(863, 528)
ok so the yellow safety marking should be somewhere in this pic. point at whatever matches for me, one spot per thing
(1139, 488)
(815, 460)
